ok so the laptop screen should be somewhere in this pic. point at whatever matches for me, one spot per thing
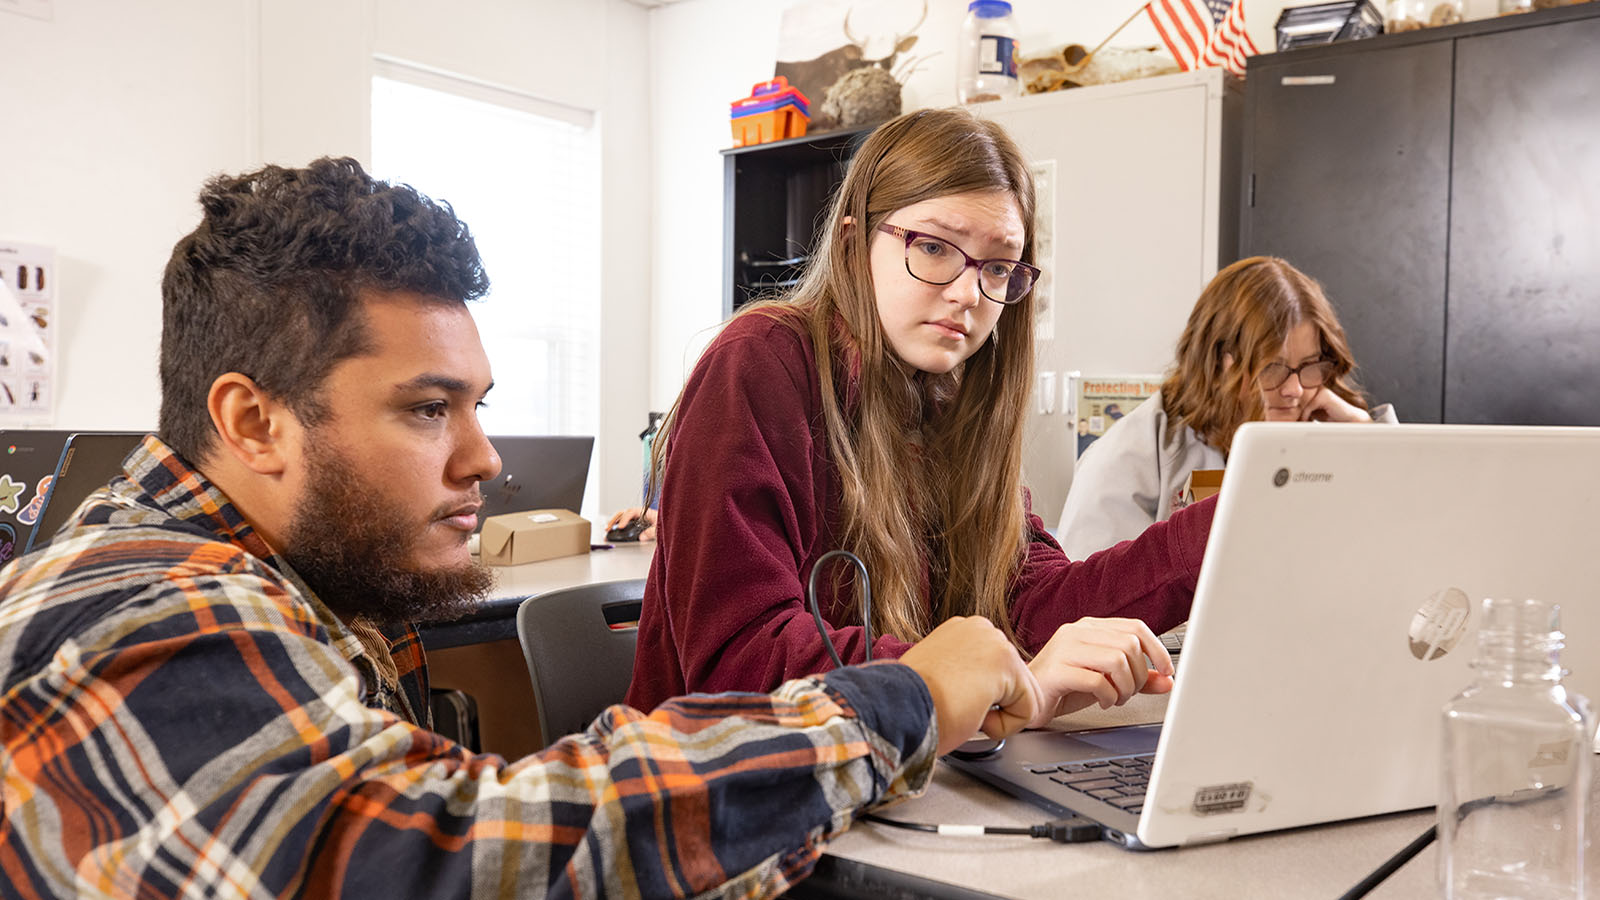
(28, 459)
(89, 460)
(537, 472)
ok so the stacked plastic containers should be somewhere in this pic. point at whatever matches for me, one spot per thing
(773, 111)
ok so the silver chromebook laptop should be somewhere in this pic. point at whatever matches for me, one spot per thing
(1336, 612)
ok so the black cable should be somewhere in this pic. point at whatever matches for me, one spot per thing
(1065, 831)
(1073, 830)
(1393, 863)
(1514, 798)
(866, 604)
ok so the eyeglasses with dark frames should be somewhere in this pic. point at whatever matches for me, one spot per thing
(935, 260)
(1311, 374)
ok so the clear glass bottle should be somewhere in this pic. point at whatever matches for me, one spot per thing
(1514, 784)
(987, 68)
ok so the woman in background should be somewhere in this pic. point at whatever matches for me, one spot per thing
(879, 409)
(1262, 344)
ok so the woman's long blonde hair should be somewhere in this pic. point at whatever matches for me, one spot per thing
(1245, 315)
(929, 465)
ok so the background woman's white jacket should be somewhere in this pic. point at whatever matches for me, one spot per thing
(1129, 478)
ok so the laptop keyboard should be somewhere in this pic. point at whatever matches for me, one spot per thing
(1173, 640)
(1120, 781)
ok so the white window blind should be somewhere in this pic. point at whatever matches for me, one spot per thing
(524, 175)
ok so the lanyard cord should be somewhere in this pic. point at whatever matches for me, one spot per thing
(866, 604)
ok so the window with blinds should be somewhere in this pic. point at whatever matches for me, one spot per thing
(524, 175)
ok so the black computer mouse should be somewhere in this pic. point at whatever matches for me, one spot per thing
(628, 532)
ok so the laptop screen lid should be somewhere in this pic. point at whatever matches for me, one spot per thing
(27, 461)
(89, 460)
(537, 472)
(1336, 613)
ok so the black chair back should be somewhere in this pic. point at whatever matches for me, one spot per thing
(579, 644)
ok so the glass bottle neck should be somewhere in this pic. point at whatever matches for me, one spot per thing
(1520, 643)
(1519, 658)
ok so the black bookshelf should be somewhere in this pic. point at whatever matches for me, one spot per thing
(774, 195)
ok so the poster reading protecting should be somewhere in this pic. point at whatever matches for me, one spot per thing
(28, 325)
(1098, 401)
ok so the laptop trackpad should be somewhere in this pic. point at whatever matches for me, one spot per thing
(1099, 743)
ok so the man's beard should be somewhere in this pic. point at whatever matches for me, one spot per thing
(354, 549)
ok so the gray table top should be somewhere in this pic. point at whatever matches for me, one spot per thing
(1322, 861)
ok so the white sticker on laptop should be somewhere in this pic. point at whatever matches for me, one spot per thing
(1221, 798)
(1438, 624)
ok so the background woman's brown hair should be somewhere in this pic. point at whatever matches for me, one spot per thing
(1238, 326)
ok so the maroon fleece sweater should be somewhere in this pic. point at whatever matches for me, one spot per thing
(750, 499)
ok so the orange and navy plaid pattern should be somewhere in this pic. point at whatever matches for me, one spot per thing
(180, 716)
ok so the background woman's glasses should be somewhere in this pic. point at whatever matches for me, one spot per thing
(1312, 374)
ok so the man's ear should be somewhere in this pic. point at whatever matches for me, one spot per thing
(252, 427)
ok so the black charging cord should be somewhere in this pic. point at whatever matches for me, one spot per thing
(866, 603)
(1391, 865)
(1073, 830)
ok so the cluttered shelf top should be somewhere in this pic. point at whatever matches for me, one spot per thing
(1473, 28)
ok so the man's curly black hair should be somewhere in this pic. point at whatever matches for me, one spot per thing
(269, 285)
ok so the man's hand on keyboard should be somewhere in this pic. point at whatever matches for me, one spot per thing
(1099, 661)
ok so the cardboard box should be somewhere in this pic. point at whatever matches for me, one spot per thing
(512, 539)
(1202, 483)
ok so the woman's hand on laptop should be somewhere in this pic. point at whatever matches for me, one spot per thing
(977, 681)
(1099, 661)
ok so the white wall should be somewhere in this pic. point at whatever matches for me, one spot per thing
(690, 92)
(130, 106)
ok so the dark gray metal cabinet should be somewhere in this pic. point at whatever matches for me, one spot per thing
(1443, 186)
(1523, 344)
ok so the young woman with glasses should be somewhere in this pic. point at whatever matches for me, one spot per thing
(1262, 344)
(878, 409)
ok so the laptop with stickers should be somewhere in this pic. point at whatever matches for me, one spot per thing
(537, 472)
(1336, 612)
(88, 462)
(28, 460)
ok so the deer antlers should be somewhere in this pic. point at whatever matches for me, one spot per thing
(903, 40)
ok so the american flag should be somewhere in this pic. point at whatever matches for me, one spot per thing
(1200, 33)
